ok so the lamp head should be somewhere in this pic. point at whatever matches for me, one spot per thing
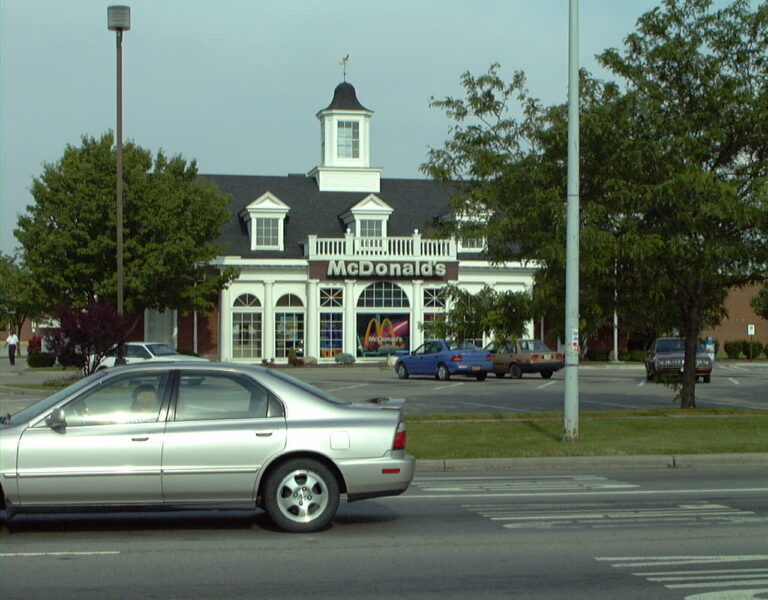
(118, 18)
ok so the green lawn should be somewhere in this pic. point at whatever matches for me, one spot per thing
(603, 435)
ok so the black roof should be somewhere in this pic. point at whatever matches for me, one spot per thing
(415, 203)
(345, 98)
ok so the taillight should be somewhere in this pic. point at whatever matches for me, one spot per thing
(456, 358)
(561, 357)
(534, 357)
(489, 356)
(401, 436)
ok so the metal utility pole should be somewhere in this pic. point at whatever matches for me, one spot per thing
(119, 20)
(571, 403)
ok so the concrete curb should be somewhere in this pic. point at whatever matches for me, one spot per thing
(653, 461)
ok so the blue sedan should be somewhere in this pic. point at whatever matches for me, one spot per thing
(441, 359)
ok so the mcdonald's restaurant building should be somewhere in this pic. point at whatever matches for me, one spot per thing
(333, 260)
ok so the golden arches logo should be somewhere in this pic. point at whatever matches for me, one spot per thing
(380, 331)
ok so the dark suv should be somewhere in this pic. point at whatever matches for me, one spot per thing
(666, 356)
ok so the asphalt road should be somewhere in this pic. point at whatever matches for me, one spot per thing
(601, 387)
(604, 387)
(694, 534)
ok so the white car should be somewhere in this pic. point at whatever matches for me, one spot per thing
(139, 352)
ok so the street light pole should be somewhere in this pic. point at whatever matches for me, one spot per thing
(119, 20)
(571, 402)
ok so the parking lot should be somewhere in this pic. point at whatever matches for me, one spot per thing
(601, 387)
(740, 385)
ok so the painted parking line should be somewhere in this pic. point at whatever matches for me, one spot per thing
(545, 385)
(347, 387)
(42, 554)
(734, 381)
(445, 387)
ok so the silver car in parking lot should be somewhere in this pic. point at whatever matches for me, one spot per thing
(183, 435)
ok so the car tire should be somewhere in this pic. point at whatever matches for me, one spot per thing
(515, 372)
(546, 374)
(443, 374)
(402, 371)
(301, 495)
(481, 376)
(706, 378)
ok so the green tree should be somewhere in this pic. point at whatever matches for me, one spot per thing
(470, 316)
(674, 165)
(760, 302)
(19, 294)
(171, 219)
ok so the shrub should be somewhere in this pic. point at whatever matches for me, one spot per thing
(597, 354)
(187, 352)
(344, 359)
(636, 356)
(754, 352)
(71, 359)
(35, 344)
(37, 360)
(733, 348)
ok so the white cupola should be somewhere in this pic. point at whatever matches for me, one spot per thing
(345, 148)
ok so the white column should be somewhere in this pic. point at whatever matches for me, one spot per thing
(312, 321)
(417, 314)
(350, 322)
(225, 325)
(268, 340)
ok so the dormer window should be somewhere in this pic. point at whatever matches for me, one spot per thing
(348, 139)
(265, 219)
(371, 228)
(368, 218)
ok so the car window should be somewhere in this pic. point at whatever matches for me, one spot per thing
(670, 346)
(215, 396)
(132, 351)
(422, 349)
(161, 350)
(129, 399)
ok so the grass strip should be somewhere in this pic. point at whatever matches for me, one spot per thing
(598, 436)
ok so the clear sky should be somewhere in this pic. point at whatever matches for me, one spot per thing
(236, 84)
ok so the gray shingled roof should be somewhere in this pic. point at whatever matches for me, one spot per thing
(416, 202)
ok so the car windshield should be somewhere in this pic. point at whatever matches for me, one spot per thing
(675, 345)
(161, 349)
(310, 389)
(30, 412)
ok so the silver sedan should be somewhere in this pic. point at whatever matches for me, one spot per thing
(197, 435)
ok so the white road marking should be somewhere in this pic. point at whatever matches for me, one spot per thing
(537, 494)
(445, 387)
(545, 385)
(504, 408)
(39, 554)
(733, 381)
(715, 579)
(348, 387)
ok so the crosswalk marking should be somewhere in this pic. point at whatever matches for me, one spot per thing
(604, 515)
(741, 582)
(522, 483)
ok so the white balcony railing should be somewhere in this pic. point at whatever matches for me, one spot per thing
(351, 247)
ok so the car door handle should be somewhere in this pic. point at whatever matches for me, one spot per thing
(143, 438)
(264, 433)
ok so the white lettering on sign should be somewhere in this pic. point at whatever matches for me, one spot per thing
(366, 268)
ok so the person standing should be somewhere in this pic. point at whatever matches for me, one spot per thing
(12, 341)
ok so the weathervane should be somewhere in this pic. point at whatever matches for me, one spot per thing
(343, 64)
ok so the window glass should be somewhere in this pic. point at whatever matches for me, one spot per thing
(208, 397)
(246, 334)
(434, 297)
(383, 294)
(348, 145)
(248, 300)
(134, 399)
(266, 232)
(371, 228)
(158, 350)
(331, 334)
(330, 297)
(289, 334)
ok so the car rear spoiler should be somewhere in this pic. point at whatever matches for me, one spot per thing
(386, 402)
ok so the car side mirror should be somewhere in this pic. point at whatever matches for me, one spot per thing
(56, 420)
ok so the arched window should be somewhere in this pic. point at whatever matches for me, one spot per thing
(289, 300)
(383, 294)
(246, 327)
